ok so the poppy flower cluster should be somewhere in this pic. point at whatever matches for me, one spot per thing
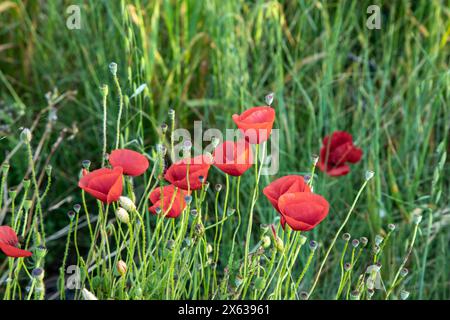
(106, 184)
(9, 243)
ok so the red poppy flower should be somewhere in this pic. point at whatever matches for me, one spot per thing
(256, 123)
(286, 184)
(9, 243)
(233, 158)
(104, 184)
(192, 168)
(132, 162)
(335, 154)
(302, 211)
(174, 202)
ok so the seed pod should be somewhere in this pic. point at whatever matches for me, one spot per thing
(391, 227)
(113, 68)
(302, 240)
(363, 241)
(404, 272)
(71, 214)
(346, 236)
(378, 239)
(164, 128)
(304, 295)
(194, 212)
(86, 164)
(104, 90)
(171, 114)
(122, 215)
(347, 266)
(188, 200)
(77, 207)
(38, 273)
(369, 175)
(355, 243)
(354, 295)
(40, 251)
(404, 294)
(313, 245)
(218, 187)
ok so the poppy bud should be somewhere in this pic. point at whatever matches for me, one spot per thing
(302, 240)
(121, 268)
(127, 204)
(71, 214)
(269, 98)
(404, 294)
(369, 175)
(313, 245)
(25, 135)
(122, 215)
(87, 295)
(5, 168)
(266, 241)
(363, 241)
(38, 273)
(209, 248)
(104, 90)
(346, 236)
(260, 283)
(279, 244)
(355, 243)
(113, 68)
(378, 239)
(86, 164)
(391, 227)
(354, 295)
(218, 187)
(77, 207)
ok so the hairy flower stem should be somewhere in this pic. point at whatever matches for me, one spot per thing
(250, 218)
(62, 269)
(104, 100)
(119, 116)
(336, 236)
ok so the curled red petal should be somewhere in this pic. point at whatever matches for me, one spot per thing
(132, 162)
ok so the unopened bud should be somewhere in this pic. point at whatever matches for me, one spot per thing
(25, 135)
(113, 68)
(127, 204)
(121, 268)
(279, 244)
(122, 215)
(209, 248)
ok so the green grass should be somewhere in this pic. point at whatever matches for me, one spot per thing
(210, 59)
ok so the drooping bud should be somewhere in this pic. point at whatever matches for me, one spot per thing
(122, 215)
(127, 204)
(199, 229)
(230, 211)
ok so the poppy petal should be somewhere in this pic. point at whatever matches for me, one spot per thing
(14, 252)
(132, 162)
